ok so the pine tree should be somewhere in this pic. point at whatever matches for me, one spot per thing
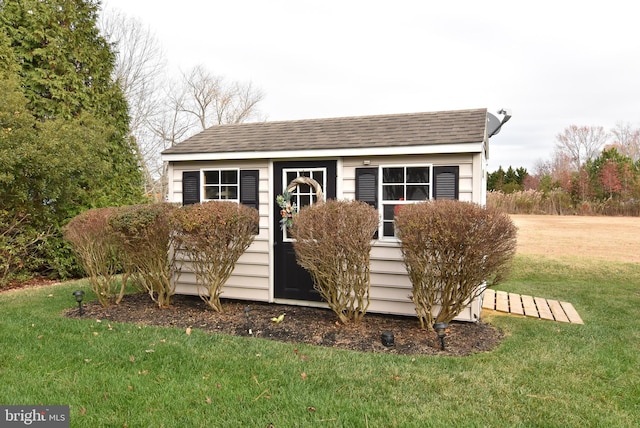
(63, 123)
(65, 68)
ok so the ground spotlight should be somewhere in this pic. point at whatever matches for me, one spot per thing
(387, 339)
(441, 329)
(79, 294)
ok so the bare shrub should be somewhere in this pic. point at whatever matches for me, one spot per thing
(95, 247)
(555, 201)
(333, 242)
(211, 237)
(450, 249)
(558, 201)
(144, 238)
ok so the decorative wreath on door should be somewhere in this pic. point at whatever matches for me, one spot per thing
(309, 181)
(287, 209)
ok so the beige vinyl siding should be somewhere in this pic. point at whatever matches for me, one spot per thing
(250, 277)
(390, 284)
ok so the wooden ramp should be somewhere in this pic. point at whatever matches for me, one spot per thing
(528, 306)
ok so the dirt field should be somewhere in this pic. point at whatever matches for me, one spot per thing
(608, 238)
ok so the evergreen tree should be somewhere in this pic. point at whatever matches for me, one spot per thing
(63, 123)
(521, 175)
(508, 182)
(65, 69)
(495, 180)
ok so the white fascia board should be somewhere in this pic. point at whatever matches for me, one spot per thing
(301, 154)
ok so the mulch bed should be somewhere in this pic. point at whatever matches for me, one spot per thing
(313, 326)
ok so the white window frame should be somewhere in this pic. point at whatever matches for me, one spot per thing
(388, 202)
(203, 187)
(285, 183)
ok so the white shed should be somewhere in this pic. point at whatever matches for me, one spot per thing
(384, 160)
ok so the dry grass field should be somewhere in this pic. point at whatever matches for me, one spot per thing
(606, 238)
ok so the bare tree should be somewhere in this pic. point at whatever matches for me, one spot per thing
(626, 140)
(581, 143)
(169, 127)
(160, 118)
(213, 101)
(139, 66)
(243, 107)
(199, 100)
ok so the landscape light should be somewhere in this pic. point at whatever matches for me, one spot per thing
(79, 294)
(441, 329)
(387, 339)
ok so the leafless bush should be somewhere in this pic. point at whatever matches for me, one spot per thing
(211, 237)
(556, 201)
(95, 247)
(333, 242)
(450, 249)
(559, 202)
(144, 237)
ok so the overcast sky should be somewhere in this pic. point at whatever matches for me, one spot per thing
(553, 63)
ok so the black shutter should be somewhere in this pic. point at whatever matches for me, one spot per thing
(249, 192)
(190, 187)
(445, 180)
(367, 186)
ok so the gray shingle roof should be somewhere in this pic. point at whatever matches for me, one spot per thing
(414, 129)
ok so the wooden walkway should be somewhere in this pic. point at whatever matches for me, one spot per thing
(528, 306)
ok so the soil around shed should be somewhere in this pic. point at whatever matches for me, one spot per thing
(314, 326)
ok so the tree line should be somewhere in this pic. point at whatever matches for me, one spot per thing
(591, 171)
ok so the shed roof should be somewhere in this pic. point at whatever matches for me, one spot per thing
(395, 130)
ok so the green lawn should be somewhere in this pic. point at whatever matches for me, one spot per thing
(544, 374)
